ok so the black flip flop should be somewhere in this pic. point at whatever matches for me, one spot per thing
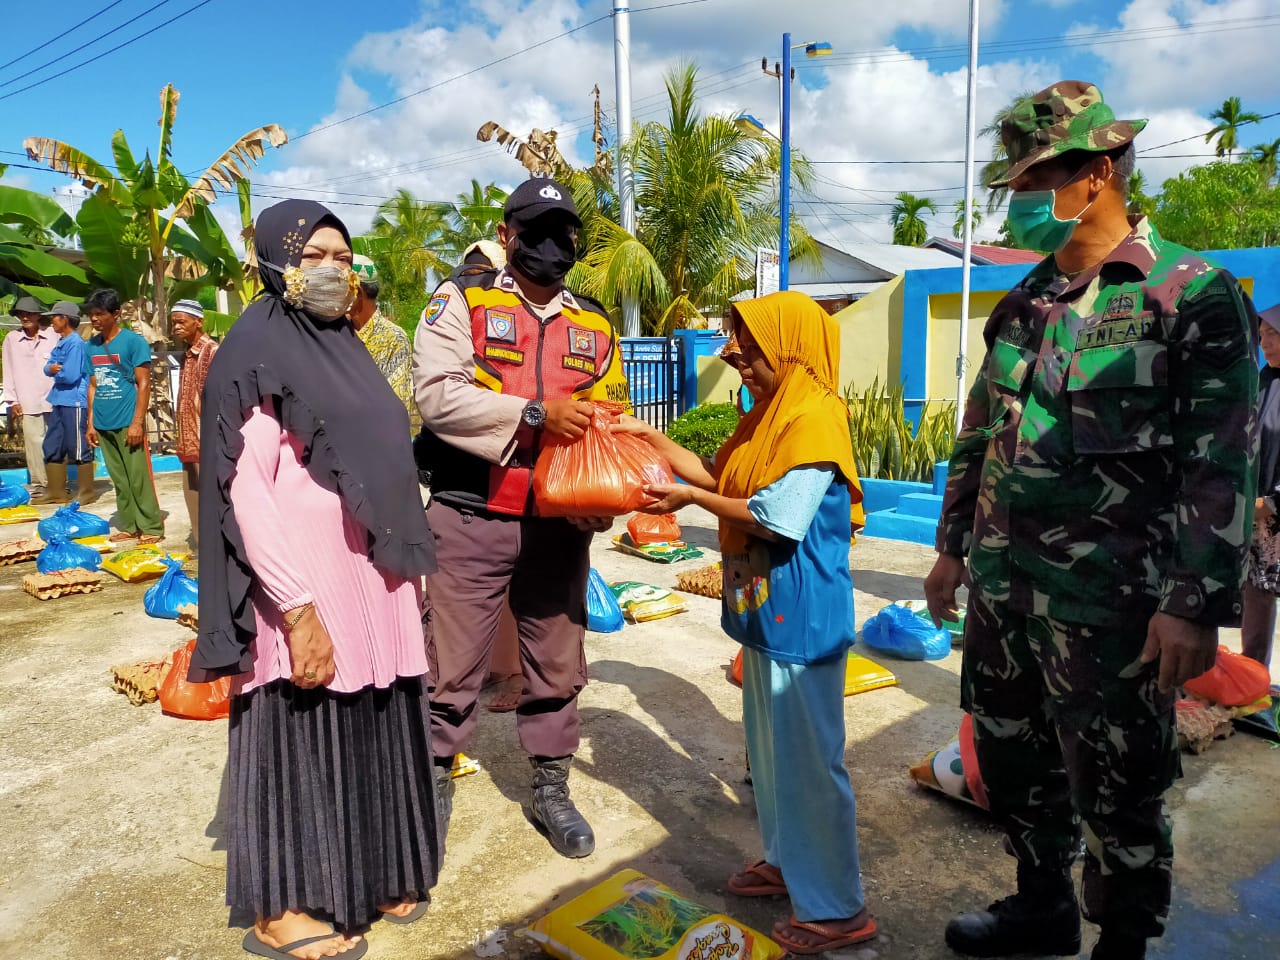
(253, 945)
(417, 913)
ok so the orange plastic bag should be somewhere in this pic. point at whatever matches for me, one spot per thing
(601, 474)
(194, 701)
(653, 528)
(1233, 681)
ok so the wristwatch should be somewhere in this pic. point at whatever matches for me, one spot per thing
(535, 414)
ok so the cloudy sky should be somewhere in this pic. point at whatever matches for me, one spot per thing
(389, 93)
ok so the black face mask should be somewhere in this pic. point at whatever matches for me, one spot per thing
(545, 258)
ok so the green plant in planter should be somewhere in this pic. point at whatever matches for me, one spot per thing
(704, 428)
(884, 445)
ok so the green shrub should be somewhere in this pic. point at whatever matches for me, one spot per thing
(884, 446)
(704, 428)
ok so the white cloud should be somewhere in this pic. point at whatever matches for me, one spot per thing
(868, 102)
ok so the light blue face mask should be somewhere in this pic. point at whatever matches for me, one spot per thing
(1033, 223)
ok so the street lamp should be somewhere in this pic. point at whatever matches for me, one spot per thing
(811, 50)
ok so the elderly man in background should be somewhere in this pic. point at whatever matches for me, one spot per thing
(187, 321)
(26, 387)
(386, 343)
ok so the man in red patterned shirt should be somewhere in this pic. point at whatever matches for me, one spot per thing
(187, 320)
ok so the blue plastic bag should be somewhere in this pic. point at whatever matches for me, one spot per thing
(62, 554)
(897, 631)
(73, 523)
(12, 495)
(174, 589)
(603, 613)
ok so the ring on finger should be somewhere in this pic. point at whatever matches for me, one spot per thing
(310, 674)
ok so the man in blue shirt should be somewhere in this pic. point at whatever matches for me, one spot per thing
(65, 441)
(118, 363)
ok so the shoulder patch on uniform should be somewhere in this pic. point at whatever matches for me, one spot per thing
(435, 307)
(582, 343)
(500, 325)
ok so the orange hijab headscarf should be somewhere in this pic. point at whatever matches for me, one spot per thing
(805, 421)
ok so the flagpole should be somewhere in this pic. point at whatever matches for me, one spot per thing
(970, 133)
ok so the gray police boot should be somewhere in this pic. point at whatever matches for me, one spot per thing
(1042, 919)
(553, 812)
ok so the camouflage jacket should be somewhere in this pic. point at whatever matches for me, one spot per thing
(1105, 465)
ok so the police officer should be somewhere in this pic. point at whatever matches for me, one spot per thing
(505, 360)
(1095, 491)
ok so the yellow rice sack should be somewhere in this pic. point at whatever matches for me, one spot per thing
(22, 514)
(633, 917)
(140, 563)
(641, 602)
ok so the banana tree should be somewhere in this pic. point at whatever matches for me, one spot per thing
(146, 229)
(27, 219)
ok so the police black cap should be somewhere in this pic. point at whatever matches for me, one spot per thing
(538, 196)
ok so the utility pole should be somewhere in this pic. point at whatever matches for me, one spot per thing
(967, 248)
(626, 186)
(784, 176)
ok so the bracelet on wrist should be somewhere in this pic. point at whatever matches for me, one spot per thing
(298, 613)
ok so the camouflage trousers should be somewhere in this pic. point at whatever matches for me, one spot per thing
(1071, 729)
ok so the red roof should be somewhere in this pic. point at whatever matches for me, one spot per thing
(986, 251)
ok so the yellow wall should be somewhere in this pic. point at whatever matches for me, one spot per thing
(871, 337)
(717, 381)
(944, 339)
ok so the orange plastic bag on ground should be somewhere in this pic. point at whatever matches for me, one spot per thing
(194, 701)
(601, 474)
(1233, 681)
(648, 528)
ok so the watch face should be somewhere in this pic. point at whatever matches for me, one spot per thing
(535, 414)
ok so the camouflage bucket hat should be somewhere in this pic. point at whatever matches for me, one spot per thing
(1066, 116)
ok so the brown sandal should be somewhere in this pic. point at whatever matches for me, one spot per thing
(831, 939)
(760, 879)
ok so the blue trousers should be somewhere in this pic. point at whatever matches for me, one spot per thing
(64, 439)
(794, 719)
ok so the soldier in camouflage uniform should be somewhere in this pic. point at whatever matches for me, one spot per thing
(1099, 489)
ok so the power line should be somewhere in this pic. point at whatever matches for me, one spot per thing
(70, 29)
(1199, 136)
(87, 43)
(111, 50)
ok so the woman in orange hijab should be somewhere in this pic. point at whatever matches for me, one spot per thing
(786, 492)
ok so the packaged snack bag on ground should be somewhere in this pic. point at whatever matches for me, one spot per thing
(633, 917)
(12, 495)
(173, 591)
(603, 613)
(671, 552)
(180, 697)
(73, 523)
(646, 528)
(140, 563)
(601, 474)
(641, 602)
(62, 554)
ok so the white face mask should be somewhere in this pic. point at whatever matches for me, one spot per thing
(328, 291)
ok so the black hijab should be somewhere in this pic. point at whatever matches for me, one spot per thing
(329, 393)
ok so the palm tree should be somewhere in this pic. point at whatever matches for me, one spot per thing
(1140, 202)
(994, 168)
(405, 242)
(909, 228)
(706, 199)
(1231, 117)
(1266, 155)
(475, 215)
(975, 219)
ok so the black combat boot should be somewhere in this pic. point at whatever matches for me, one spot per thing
(1117, 945)
(553, 811)
(1042, 918)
